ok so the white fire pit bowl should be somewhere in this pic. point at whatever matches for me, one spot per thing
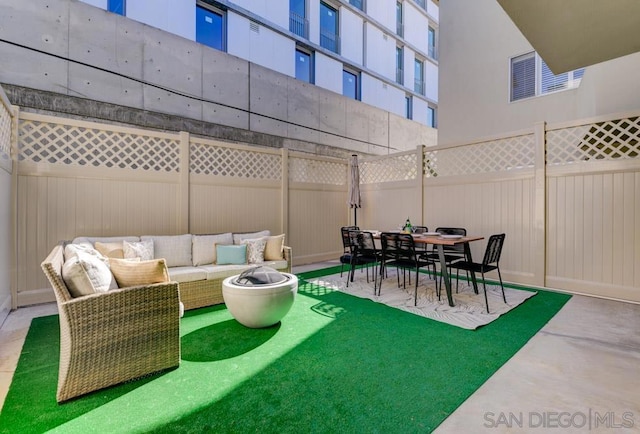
(259, 305)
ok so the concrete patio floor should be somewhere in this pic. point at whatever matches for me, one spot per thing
(580, 373)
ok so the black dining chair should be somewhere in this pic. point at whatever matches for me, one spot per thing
(490, 262)
(399, 250)
(365, 253)
(345, 259)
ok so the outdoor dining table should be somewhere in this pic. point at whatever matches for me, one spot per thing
(440, 242)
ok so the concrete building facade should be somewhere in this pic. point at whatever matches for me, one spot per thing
(308, 75)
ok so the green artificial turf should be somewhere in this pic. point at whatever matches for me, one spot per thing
(335, 363)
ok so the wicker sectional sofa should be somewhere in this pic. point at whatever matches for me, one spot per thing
(113, 336)
(191, 262)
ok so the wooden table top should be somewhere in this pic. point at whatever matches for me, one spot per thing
(436, 239)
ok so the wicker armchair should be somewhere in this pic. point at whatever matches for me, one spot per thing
(112, 337)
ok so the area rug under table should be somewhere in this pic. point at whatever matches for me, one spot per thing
(469, 312)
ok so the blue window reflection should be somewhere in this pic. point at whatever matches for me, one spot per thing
(210, 28)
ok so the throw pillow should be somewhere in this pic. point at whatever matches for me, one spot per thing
(175, 249)
(255, 250)
(130, 273)
(231, 254)
(72, 250)
(237, 238)
(273, 249)
(86, 274)
(204, 247)
(140, 249)
(110, 250)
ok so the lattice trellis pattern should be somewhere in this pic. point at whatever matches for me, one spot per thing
(610, 140)
(317, 171)
(43, 142)
(487, 157)
(394, 168)
(5, 134)
(236, 163)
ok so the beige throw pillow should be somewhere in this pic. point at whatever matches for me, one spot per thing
(273, 249)
(129, 273)
(110, 250)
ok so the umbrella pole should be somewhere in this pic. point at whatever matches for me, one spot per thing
(355, 216)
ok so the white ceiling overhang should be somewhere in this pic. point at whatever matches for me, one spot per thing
(571, 34)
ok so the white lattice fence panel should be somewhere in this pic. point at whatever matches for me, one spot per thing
(231, 162)
(317, 171)
(389, 169)
(5, 135)
(53, 143)
(611, 140)
(487, 157)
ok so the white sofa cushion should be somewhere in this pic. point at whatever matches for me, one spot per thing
(204, 247)
(92, 240)
(86, 274)
(143, 250)
(175, 249)
(186, 274)
(276, 264)
(222, 271)
(237, 238)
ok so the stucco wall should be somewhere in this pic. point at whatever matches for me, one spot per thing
(477, 40)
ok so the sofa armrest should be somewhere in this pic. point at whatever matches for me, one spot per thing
(288, 256)
(112, 337)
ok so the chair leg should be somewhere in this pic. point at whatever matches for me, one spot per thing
(502, 286)
(415, 292)
(484, 286)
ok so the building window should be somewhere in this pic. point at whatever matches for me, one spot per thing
(399, 20)
(408, 107)
(431, 117)
(357, 3)
(431, 50)
(530, 76)
(350, 85)
(422, 4)
(117, 6)
(419, 77)
(210, 28)
(329, 28)
(399, 65)
(298, 22)
(304, 66)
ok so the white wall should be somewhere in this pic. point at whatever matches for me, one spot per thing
(328, 73)
(409, 67)
(276, 11)
(420, 110)
(381, 53)
(431, 80)
(383, 12)
(102, 4)
(266, 48)
(350, 36)
(474, 80)
(416, 26)
(381, 95)
(175, 16)
(433, 10)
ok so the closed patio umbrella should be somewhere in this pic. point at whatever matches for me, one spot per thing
(354, 188)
